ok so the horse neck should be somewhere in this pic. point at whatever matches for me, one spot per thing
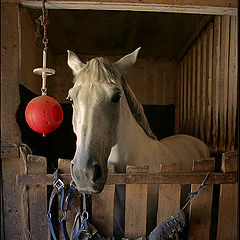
(133, 146)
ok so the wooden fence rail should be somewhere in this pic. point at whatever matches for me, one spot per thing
(137, 181)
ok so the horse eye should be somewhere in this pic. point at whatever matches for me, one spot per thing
(116, 97)
(70, 99)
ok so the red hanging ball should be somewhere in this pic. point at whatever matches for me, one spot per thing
(44, 114)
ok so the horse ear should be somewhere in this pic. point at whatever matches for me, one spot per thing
(127, 61)
(74, 62)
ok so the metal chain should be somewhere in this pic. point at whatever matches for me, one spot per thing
(44, 24)
(42, 21)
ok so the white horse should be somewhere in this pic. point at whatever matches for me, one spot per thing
(111, 127)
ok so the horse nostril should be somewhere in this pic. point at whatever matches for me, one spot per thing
(97, 174)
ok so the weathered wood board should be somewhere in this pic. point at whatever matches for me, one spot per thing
(103, 216)
(136, 206)
(201, 205)
(37, 199)
(169, 195)
(228, 203)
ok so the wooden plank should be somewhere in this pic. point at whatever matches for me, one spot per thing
(229, 161)
(181, 96)
(9, 151)
(198, 90)
(37, 199)
(102, 217)
(193, 96)
(203, 86)
(136, 211)
(11, 193)
(224, 82)
(216, 79)
(233, 86)
(213, 3)
(9, 72)
(201, 205)
(169, 195)
(188, 105)
(212, 7)
(135, 178)
(178, 100)
(209, 84)
(228, 208)
(184, 95)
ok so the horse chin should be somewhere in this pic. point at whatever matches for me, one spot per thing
(90, 190)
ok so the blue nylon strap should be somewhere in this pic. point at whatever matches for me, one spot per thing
(78, 233)
(51, 228)
(69, 198)
(61, 191)
(56, 191)
(63, 224)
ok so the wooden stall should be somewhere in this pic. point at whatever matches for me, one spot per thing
(193, 67)
(137, 180)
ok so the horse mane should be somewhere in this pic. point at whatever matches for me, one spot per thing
(101, 68)
(137, 109)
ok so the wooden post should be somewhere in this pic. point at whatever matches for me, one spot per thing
(37, 199)
(136, 206)
(103, 209)
(216, 81)
(228, 202)
(224, 75)
(233, 83)
(169, 195)
(201, 205)
(10, 134)
(209, 83)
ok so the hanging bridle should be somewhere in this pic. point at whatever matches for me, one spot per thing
(65, 206)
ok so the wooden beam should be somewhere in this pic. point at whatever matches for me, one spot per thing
(201, 206)
(10, 55)
(102, 215)
(228, 204)
(139, 178)
(37, 199)
(9, 151)
(136, 212)
(229, 161)
(213, 7)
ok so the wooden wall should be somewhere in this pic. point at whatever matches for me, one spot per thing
(207, 86)
(152, 80)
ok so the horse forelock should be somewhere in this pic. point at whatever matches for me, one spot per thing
(98, 69)
(137, 109)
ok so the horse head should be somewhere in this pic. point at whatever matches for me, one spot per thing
(96, 101)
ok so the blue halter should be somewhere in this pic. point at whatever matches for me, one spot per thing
(58, 189)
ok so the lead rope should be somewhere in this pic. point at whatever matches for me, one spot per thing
(191, 195)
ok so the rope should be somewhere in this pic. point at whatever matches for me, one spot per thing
(24, 150)
(191, 195)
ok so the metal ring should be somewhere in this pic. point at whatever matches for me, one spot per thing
(45, 40)
(43, 90)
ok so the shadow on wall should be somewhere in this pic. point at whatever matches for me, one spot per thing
(61, 143)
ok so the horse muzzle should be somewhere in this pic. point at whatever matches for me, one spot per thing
(90, 179)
